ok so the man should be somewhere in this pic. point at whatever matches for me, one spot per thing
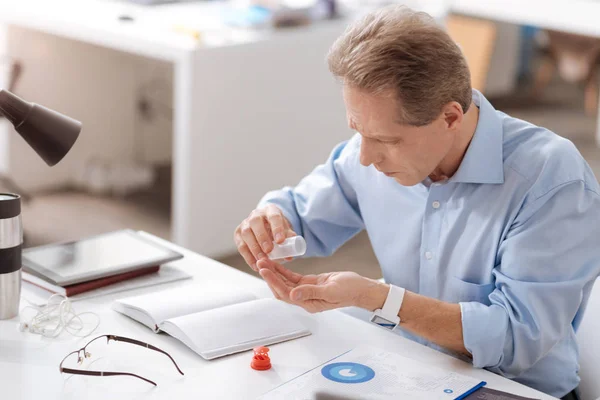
(486, 227)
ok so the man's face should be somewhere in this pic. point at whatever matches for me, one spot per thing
(406, 153)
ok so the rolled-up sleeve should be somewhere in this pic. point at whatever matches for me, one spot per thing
(546, 266)
(323, 207)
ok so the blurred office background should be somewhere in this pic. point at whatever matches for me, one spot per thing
(241, 115)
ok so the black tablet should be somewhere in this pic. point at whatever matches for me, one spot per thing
(95, 257)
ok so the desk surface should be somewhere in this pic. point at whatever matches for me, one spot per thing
(29, 363)
(97, 21)
(155, 31)
(573, 16)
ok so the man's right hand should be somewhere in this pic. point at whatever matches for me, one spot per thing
(254, 237)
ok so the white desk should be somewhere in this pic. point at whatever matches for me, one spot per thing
(252, 111)
(573, 16)
(29, 364)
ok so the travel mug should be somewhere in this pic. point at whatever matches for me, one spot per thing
(11, 240)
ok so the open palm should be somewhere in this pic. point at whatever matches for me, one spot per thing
(314, 293)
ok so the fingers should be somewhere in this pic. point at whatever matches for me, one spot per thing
(276, 269)
(259, 227)
(286, 274)
(276, 221)
(254, 237)
(291, 276)
(276, 284)
(263, 264)
(245, 251)
(282, 283)
(250, 240)
(247, 236)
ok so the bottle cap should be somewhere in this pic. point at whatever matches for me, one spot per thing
(261, 360)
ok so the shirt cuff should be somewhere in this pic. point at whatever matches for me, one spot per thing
(484, 333)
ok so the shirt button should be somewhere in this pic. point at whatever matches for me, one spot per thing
(435, 204)
(428, 255)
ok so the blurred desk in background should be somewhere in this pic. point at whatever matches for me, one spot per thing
(573, 16)
(253, 110)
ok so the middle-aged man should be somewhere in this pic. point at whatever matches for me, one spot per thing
(486, 227)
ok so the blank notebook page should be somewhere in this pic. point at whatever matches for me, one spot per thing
(187, 300)
(236, 324)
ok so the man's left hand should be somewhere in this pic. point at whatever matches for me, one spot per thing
(316, 293)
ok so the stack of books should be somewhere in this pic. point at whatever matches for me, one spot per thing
(78, 288)
(95, 262)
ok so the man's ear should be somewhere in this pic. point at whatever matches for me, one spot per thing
(453, 115)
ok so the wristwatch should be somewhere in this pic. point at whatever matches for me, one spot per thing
(387, 316)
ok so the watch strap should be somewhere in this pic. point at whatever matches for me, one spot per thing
(393, 302)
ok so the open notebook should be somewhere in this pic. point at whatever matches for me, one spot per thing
(214, 320)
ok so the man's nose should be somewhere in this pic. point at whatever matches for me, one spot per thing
(367, 154)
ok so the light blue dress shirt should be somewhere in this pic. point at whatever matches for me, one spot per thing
(513, 236)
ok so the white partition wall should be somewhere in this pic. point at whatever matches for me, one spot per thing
(264, 115)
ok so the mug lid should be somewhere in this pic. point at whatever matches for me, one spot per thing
(10, 205)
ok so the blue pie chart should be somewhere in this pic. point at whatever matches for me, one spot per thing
(348, 372)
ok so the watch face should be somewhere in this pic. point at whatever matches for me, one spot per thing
(381, 321)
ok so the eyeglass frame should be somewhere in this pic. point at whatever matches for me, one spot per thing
(109, 373)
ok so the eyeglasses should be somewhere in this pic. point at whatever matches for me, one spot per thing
(84, 353)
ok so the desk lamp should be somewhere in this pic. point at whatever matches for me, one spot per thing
(51, 135)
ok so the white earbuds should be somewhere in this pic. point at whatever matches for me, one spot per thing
(24, 326)
(57, 315)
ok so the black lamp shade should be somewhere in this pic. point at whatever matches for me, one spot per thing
(49, 133)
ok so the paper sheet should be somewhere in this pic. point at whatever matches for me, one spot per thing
(371, 373)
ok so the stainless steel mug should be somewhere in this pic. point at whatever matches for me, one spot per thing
(11, 241)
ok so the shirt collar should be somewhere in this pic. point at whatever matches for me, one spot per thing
(483, 162)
